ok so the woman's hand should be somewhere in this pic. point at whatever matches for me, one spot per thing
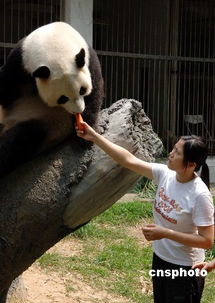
(154, 232)
(201, 240)
(209, 266)
(88, 133)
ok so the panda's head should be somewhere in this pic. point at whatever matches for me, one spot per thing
(57, 57)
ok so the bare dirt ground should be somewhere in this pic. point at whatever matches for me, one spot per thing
(46, 287)
(51, 288)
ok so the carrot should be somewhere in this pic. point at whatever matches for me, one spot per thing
(79, 120)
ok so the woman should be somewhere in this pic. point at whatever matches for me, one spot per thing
(183, 214)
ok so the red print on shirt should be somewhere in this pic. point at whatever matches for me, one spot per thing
(165, 206)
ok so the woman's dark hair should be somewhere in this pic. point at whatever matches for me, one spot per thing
(196, 150)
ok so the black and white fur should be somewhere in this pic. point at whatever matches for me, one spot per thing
(51, 74)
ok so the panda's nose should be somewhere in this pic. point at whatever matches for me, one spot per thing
(62, 100)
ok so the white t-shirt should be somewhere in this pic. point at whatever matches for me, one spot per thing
(181, 207)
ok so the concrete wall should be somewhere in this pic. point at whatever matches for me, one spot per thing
(79, 13)
(211, 164)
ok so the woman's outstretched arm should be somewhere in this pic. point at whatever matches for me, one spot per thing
(116, 152)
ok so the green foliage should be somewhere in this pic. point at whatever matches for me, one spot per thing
(149, 189)
(210, 253)
(145, 188)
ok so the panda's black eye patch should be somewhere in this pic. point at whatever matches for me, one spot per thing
(62, 100)
(82, 90)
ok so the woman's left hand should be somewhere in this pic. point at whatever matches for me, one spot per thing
(154, 232)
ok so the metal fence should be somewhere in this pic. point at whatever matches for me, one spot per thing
(162, 54)
(20, 17)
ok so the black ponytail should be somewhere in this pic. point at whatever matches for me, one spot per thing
(205, 174)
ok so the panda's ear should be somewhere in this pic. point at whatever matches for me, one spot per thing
(80, 58)
(42, 72)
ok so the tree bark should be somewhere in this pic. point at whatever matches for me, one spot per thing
(59, 191)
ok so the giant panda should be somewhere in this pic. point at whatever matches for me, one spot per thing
(51, 74)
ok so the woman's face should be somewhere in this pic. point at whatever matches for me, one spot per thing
(176, 157)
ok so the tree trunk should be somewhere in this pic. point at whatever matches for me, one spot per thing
(59, 191)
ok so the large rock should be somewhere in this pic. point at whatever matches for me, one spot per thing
(64, 188)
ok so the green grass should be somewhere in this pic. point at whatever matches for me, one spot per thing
(125, 213)
(112, 258)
